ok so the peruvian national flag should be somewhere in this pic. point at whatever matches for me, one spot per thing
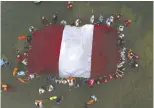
(88, 51)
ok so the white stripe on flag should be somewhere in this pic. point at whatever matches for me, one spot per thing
(76, 51)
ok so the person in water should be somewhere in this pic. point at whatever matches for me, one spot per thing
(50, 88)
(41, 90)
(69, 4)
(39, 103)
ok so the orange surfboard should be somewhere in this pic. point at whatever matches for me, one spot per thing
(22, 37)
(4, 85)
(21, 80)
(38, 100)
(91, 101)
(15, 71)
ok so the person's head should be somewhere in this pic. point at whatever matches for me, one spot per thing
(25, 53)
(124, 48)
(129, 21)
(42, 17)
(136, 65)
(32, 27)
(123, 69)
(118, 16)
(120, 26)
(130, 50)
(110, 76)
(98, 82)
(18, 56)
(122, 35)
(105, 80)
(112, 17)
(70, 6)
(137, 57)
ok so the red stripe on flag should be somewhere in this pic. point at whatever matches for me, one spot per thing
(104, 51)
(46, 44)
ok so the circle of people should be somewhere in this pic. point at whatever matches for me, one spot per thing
(126, 56)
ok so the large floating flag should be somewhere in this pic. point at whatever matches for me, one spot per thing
(88, 51)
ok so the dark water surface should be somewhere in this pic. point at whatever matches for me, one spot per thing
(134, 91)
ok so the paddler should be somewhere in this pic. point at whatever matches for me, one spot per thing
(25, 62)
(32, 29)
(63, 22)
(133, 64)
(121, 28)
(50, 88)
(77, 22)
(127, 22)
(41, 90)
(45, 21)
(32, 76)
(55, 17)
(39, 103)
(98, 81)
(108, 22)
(105, 80)
(19, 58)
(5, 87)
(92, 19)
(121, 36)
(118, 16)
(100, 19)
(69, 4)
(70, 81)
(111, 18)
(91, 82)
